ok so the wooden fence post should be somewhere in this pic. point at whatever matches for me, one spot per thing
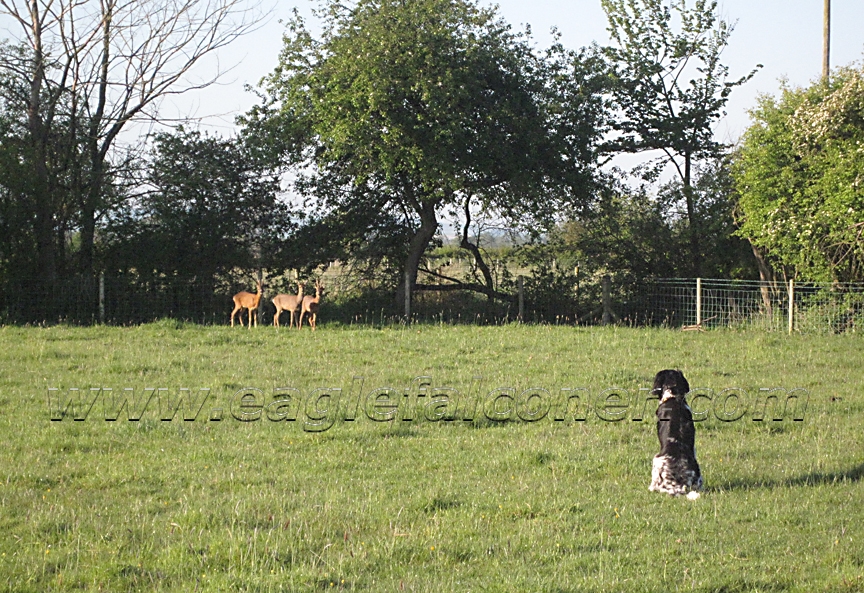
(698, 301)
(520, 283)
(791, 305)
(607, 301)
(407, 297)
(258, 315)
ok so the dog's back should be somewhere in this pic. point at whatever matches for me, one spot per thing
(675, 469)
(675, 424)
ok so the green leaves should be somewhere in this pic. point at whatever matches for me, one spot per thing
(670, 88)
(670, 85)
(415, 106)
(211, 207)
(800, 174)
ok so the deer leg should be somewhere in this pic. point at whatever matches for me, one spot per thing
(314, 320)
(234, 312)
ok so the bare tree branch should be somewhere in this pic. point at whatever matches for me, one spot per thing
(107, 63)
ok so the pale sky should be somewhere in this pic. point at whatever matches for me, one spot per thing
(783, 35)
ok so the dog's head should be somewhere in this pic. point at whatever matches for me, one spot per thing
(670, 383)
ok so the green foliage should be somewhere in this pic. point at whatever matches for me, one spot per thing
(212, 207)
(632, 235)
(799, 172)
(33, 221)
(671, 86)
(17, 239)
(670, 90)
(404, 110)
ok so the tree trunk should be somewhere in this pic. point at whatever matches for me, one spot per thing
(475, 251)
(97, 151)
(419, 243)
(44, 215)
(695, 253)
(88, 220)
(766, 276)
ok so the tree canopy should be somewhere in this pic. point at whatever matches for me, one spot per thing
(90, 69)
(210, 207)
(670, 89)
(800, 176)
(412, 108)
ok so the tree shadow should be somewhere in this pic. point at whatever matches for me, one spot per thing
(855, 474)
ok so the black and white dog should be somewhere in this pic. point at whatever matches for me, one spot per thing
(675, 469)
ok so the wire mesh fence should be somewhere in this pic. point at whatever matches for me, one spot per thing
(114, 300)
(772, 306)
(671, 302)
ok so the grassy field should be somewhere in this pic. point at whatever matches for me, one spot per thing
(422, 505)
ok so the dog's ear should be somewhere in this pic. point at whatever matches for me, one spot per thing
(659, 382)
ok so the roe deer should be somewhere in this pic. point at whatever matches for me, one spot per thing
(310, 305)
(246, 300)
(288, 302)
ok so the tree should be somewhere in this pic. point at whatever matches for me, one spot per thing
(16, 248)
(211, 207)
(410, 108)
(92, 69)
(799, 174)
(660, 44)
(23, 215)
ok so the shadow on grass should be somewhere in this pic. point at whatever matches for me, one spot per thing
(854, 474)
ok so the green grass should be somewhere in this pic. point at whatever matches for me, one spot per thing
(423, 506)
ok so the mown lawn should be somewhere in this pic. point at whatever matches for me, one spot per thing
(420, 504)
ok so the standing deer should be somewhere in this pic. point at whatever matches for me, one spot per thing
(288, 302)
(310, 305)
(246, 300)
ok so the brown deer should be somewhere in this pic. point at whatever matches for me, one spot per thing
(246, 300)
(310, 305)
(288, 302)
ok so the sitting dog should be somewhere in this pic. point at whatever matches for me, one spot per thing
(675, 469)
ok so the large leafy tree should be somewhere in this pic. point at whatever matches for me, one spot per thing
(634, 235)
(17, 242)
(211, 207)
(406, 109)
(671, 89)
(800, 176)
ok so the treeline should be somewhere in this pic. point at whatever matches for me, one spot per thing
(403, 118)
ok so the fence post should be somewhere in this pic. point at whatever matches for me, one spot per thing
(407, 296)
(101, 298)
(791, 305)
(258, 315)
(520, 283)
(607, 301)
(698, 301)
